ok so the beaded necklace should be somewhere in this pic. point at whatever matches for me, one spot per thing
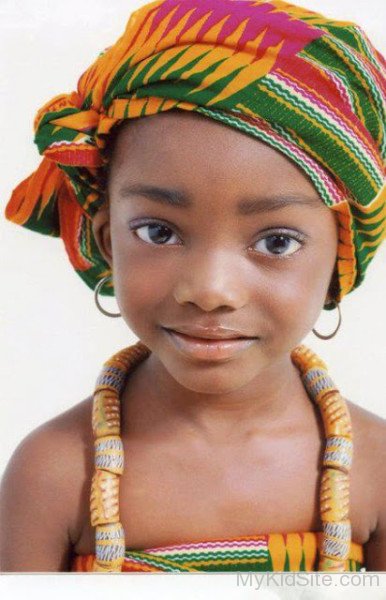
(109, 459)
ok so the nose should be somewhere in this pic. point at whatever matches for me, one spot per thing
(210, 281)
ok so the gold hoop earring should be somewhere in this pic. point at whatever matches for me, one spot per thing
(97, 289)
(331, 335)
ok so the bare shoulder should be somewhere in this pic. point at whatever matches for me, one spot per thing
(369, 434)
(40, 490)
(64, 443)
(369, 429)
(71, 425)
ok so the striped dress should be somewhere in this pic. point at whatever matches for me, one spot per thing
(265, 552)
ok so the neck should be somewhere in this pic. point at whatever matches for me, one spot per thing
(154, 400)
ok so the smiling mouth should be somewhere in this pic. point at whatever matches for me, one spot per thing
(208, 340)
(209, 349)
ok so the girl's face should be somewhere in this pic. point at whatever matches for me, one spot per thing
(208, 226)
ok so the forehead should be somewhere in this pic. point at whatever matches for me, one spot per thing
(191, 149)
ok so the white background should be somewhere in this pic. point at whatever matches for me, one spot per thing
(54, 340)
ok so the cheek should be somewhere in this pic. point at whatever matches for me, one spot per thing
(142, 287)
(298, 293)
(136, 278)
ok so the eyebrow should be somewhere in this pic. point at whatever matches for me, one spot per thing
(247, 206)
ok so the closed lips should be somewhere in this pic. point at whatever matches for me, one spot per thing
(220, 346)
(208, 339)
(223, 336)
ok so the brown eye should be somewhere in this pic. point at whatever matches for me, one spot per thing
(155, 233)
(280, 245)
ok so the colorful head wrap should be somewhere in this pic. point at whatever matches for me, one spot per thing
(310, 87)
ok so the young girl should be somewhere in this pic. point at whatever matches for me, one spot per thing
(250, 197)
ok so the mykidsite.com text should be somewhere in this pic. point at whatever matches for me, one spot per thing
(298, 579)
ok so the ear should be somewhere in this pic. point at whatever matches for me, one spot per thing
(333, 288)
(101, 231)
(329, 297)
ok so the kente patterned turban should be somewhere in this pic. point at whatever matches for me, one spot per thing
(310, 87)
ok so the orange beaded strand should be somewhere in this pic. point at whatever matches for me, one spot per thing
(334, 490)
(109, 458)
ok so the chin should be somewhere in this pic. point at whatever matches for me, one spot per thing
(211, 377)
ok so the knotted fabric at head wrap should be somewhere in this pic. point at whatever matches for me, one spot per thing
(310, 87)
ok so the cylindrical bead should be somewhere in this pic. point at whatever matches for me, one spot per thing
(336, 539)
(334, 495)
(304, 359)
(335, 414)
(318, 383)
(104, 498)
(338, 453)
(109, 454)
(109, 547)
(106, 413)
